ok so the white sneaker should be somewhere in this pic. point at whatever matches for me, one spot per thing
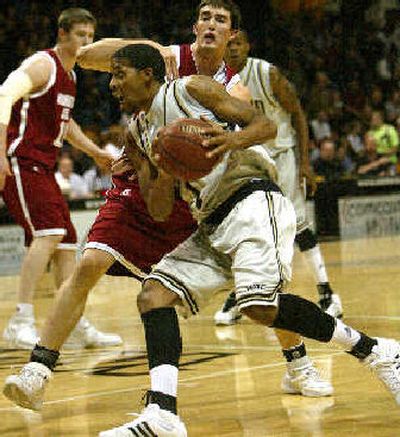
(27, 388)
(303, 378)
(153, 421)
(384, 360)
(229, 314)
(86, 336)
(21, 333)
(335, 308)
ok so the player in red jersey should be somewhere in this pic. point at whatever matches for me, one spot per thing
(124, 230)
(36, 103)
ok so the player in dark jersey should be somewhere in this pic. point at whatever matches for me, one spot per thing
(36, 103)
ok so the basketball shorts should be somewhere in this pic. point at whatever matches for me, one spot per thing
(288, 181)
(250, 250)
(124, 229)
(36, 203)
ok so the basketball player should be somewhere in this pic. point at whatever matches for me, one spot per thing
(36, 103)
(217, 22)
(273, 94)
(245, 238)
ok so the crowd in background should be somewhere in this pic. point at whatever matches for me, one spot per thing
(344, 65)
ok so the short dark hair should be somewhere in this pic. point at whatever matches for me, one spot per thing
(71, 16)
(229, 5)
(141, 56)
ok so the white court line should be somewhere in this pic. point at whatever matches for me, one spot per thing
(181, 382)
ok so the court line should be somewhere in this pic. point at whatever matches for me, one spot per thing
(181, 382)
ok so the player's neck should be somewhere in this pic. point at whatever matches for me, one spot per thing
(67, 59)
(208, 61)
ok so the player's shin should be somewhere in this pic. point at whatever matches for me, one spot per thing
(164, 348)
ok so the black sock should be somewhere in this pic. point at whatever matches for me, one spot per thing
(164, 346)
(230, 302)
(325, 294)
(304, 317)
(364, 347)
(295, 352)
(164, 401)
(45, 356)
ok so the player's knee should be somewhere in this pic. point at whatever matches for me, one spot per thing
(154, 295)
(265, 315)
(306, 240)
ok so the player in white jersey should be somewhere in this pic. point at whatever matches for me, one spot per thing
(245, 237)
(274, 96)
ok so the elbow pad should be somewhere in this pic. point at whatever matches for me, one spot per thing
(16, 86)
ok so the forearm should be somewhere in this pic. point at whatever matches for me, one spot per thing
(79, 140)
(3, 140)
(258, 131)
(97, 56)
(300, 126)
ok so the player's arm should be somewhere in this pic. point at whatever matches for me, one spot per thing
(97, 56)
(286, 95)
(27, 79)
(78, 139)
(241, 92)
(156, 186)
(257, 129)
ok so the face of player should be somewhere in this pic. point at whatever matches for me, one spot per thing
(237, 51)
(129, 86)
(79, 35)
(213, 28)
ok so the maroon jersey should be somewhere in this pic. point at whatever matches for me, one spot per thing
(38, 121)
(187, 66)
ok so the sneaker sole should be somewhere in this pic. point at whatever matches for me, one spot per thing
(220, 322)
(308, 393)
(12, 392)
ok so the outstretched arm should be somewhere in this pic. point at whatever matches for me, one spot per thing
(97, 56)
(257, 129)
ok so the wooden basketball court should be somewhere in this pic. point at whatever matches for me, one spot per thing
(230, 377)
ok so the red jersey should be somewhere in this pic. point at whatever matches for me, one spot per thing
(38, 121)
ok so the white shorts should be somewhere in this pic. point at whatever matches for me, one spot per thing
(288, 181)
(250, 251)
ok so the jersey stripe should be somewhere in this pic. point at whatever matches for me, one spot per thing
(22, 127)
(260, 79)
(180, 104)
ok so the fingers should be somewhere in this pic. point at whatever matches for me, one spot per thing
(171, 67)
(218, 151)
(214, 140)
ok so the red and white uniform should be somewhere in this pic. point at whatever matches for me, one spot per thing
(123, 226)
(34, 137)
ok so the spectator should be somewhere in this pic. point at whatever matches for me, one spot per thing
(320, 126)
(328, 165)
(392, 106)
(371, 164)
(386, 138)
(72, 185)
(354, 140)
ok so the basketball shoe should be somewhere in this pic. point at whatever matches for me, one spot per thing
(384, 361)
(229, 314)
(153, 421)
(27, 389)
(20, 332)
(86, 336)
(303, 378)
(331, 302)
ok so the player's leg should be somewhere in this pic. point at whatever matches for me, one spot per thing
(27, 388)
(20, 331)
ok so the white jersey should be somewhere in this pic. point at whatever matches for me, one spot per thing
(256, 76)
(235, 169)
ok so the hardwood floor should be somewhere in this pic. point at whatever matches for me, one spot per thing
(230, 377)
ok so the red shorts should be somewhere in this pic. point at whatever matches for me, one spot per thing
(124, 228)
(34, 199)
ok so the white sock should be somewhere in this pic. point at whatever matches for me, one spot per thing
(345, 336)
(314, 257)
(164, 379)
(25, 310)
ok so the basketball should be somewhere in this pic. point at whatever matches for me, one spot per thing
(180, 149)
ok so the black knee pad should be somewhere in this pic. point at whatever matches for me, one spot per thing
(304, 317)
(306, 240)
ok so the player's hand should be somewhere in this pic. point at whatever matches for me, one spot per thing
(171, 67)
(307, 179)
(104, 160)
(121, 165)
(4, 171)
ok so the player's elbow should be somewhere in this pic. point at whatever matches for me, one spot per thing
(270, 129)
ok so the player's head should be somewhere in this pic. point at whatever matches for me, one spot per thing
(137, 70)
(238, 50)
(216, 22)
(76, 28)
